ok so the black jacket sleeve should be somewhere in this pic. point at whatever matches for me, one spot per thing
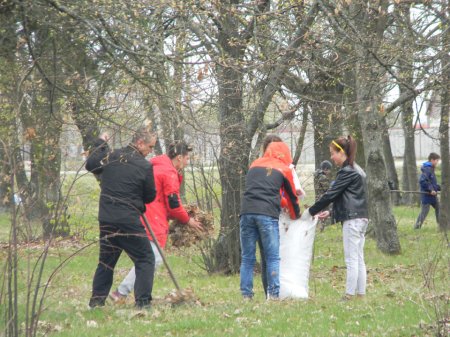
(341, 183)
(149, 192)
(97, 152)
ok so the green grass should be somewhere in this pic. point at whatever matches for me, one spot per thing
(399, 301)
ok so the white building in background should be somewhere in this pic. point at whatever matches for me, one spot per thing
(426, 141)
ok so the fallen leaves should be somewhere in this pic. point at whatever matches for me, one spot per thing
(182, 235)
(184, 296)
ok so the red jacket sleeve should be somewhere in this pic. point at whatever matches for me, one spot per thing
(172, 200)
(290, 195)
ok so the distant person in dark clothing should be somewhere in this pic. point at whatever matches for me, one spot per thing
(322, 178)
(429, 188)
(127, 184)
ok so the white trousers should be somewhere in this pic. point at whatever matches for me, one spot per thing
(354, 238)
(127, 284)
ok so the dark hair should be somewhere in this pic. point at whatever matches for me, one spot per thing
(325, 165)
(270, 139)
(433, 156)
(346, 144)
(178, 147)
(143, 134)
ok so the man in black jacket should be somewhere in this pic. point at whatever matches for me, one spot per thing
(127, 184)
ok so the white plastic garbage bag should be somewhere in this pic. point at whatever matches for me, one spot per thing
(296, 249)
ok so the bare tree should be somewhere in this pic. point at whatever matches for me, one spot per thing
(363, 26)
(230, 33)
(444, 220)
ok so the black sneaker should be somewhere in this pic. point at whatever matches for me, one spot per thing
(143, 305)
(95, 302)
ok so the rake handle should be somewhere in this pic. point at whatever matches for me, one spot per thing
(172, 276)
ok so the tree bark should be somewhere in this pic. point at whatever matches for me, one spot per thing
(369, 75)
(390, 163)
(233, 165)
(444, 217)
(406, 76)
(409, 181)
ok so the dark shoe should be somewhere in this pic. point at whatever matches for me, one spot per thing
(247, 298)
(143, 305)
(146, 307)
(96, 302)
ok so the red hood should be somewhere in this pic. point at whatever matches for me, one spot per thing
(278, 157)
(279, 150)
(276, 153)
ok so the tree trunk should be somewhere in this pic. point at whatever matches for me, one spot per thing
(370, 25)
(87, 124)
(390, 163)
(356, 131)
(380, 209)
(409, 158)
(444, 217)
(45, 156)
(301, 137)
(406, 76)
(5, 171)
(233, 165)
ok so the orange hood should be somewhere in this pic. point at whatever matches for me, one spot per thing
(275, 153)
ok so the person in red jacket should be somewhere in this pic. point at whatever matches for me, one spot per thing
(167, 205)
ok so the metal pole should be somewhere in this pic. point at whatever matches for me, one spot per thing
(149, 228)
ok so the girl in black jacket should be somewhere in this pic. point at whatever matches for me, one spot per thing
(348, 194)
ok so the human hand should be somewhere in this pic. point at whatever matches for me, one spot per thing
(323, 215)
(433, 193)
(104, 136)
(195, 224)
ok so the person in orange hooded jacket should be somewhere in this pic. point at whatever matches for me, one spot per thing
(260, 209)
(167, 205)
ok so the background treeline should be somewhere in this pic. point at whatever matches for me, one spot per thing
(221, 74)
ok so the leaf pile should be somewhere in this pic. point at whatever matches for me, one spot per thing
(184, 296)
(182, 235)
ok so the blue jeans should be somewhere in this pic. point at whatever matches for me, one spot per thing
(264, 227)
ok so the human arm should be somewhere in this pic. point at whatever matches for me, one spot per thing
(149, 191)
(343, 180)
(290, 195)
(174, 205)
(428, 184)
(171, 191)
(98, 151)
(298, 187)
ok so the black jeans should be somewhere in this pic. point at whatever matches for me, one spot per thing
(132, 239)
